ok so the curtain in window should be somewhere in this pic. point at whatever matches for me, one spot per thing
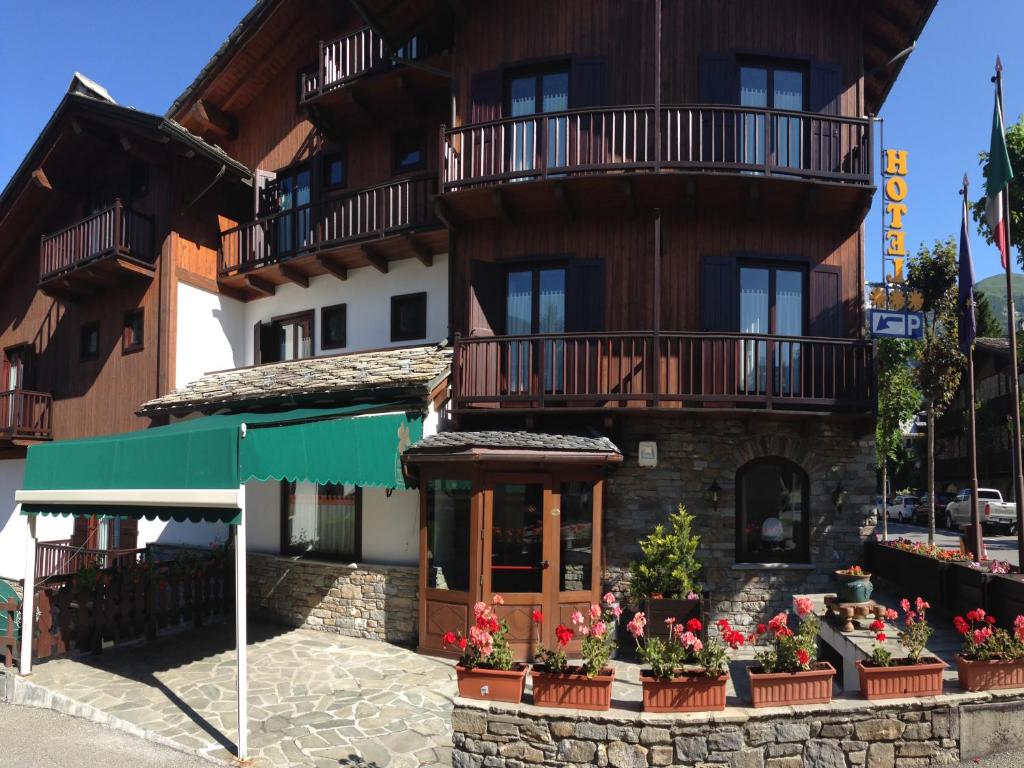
(788, 94)
(754, 318)
(753, 93)
(789, 321)
(555, 95)
(552, 320)
(336, 519)
(519, 322)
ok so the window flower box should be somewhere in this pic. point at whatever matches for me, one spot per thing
(572, 689)
(989, 675)
(493, 684)
(684, 693)
(901, 679)
(783, 689)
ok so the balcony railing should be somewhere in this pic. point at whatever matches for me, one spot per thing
(640, 138)
(25, 414)
(345, 58)
(116, 229)
(375, 212)
(648, 370)
(55, 559)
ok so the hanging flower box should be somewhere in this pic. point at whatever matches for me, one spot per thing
(493, 684)
(989, 675)
(572, 689)
(782, 689)
(901, 679)
(684, 693)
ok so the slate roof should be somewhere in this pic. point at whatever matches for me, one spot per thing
(363, 373)
(450, 442)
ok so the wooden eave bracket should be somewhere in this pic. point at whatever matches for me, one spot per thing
(502, 206)
(213, 120)
(564, 198)
(332, 267)
(376, 260)
(40, 180)
(260, 285)
(294, 275)
(421, 251)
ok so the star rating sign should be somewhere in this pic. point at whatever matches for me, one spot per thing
(916, 301)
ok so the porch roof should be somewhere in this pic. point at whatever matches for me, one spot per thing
(510, 446)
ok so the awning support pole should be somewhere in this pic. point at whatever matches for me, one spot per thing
(28, 600)
(240, 628)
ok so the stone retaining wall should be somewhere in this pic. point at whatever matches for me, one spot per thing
(371, 601)
(846, 734)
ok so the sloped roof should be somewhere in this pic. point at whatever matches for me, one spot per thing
(413, 370)
(448, 442)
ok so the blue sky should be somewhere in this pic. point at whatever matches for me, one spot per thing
(145, 53)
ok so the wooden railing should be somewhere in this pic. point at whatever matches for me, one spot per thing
(648, 370)
(26, 414)
(56, 559)
(367, 213)
(640, 138)
(115, 229)
(344, 59)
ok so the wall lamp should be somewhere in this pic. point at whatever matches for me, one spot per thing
(713, 494)
(839, 495)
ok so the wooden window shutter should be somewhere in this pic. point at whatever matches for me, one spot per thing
(825, 91)
(129, 533)
(585, 292)
(487, 298)
(719, 83)
(826, 301)
(588, 82)
(266, 345)
(486, 93)
(826, 87)
(719, 294)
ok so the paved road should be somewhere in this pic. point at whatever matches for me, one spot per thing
(999, 547)
(1007, 760)
(39, 738)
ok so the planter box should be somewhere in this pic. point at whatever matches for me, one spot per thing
(966, 589)
(572, 690)
(659, 609)
(901, 681)
(780, 689)
(913, 575)
(686, 693)
(1005, 598)
(989, 675)
(493, 684)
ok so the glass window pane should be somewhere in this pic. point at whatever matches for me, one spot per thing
(789, 302)
(772, 511)
(754, 311)
(555, 92)
(322, 519)
(552, 301)
(517, 538)
(523, 96)
(753, 87)
(519, 306)
(448, 505)
(576, 524)
(788, 90)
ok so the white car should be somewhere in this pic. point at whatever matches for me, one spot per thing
(901, 509)
(993, 510)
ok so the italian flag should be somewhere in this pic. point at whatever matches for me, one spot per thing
(997, 176)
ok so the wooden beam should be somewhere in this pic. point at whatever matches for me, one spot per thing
(627, 190)
(39, 177)
(332, 267)
(294, 275)
(377, 261)
(502, 206)
(214, 120)
(420, 249)
(564, 199)
(260, 285)
(891, 16)
(444, 213)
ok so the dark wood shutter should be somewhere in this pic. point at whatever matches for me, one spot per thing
(719, 294)
(585, 292)
(826, 302)
(588, 82)
(826, 87)
(718, 81)
(266, 346)
(129, 533)
(487, 298)
(826, 143)
(486, 92)
(80, 532)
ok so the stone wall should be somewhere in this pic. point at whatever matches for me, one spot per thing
(371, 601)
(846, 734)
(693, 452)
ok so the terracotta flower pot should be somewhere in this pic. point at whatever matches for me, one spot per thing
(780, 689)
(686, 693)
(901, 680)
(989, 675)
(573, 690)
(493, 684)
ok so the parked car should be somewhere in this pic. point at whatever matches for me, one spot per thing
(901, 509)
(921, 510)
(993, 510)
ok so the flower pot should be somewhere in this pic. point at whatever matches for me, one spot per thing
(989, 675)
(493, 684)
(779, 689)
(686, 693)
(902, 679)
(854, 588)
(573, 690)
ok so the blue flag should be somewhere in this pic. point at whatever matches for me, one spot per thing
(968, 324)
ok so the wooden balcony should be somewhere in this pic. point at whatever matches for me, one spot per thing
(58, 560)
(368, 227)
(25, 416)
(639, 371)
(98, 250)
(685, 155)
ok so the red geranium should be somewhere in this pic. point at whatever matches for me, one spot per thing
(803, 657)
(538, 617)
(564, 634)
(694, 625)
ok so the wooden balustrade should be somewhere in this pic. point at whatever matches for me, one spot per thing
(648, 370)
(699, 138)
(25, 414)
(374, 212)
(116, 229)
(58, 559)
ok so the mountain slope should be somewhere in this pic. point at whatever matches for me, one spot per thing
(994, 289)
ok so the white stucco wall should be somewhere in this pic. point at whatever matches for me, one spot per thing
(185, 533)
(13, 530)
(210, 334)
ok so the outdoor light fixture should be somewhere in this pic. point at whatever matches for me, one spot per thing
(839, 495)
(713, 493)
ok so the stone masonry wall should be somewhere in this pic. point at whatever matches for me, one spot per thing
(371, 601)
(693, 452)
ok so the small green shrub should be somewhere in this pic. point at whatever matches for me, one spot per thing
(669, 565)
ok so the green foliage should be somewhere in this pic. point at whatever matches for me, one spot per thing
(663, 657)
(988, 324)
(669, 565)
(880, 657)
(898, 398)
(789, 651)
(713, 657)
(1015, 146)
(994, 290)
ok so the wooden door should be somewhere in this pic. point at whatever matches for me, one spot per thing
(576, 522)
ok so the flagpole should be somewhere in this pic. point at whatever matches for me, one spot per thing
(972, 445)
(1018, 487)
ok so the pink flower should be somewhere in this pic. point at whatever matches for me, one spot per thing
(693, 596)
(891, 615)
(697, 646)
(498, 600)
(599, 629)
(1018, 628)
(804, 606)
(670, 621)
(577, 618)
(678, 630)
(635, 627)
(479, 608)
(595, 612)
(609, 598)
(616, 610)
(905, 604)
(584, 630)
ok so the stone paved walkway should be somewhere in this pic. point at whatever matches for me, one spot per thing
(315, 699)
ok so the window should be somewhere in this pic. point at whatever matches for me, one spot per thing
(767, 85)
(294, 222)
(294, 336)
(89, 343)
(771, 302)
(576, 536)
(323, 520)
(335, 171)
(532, 93)
(534, 303)
(517, 537)
(772, 512)
(15, 367)
(333, 327)
(409, 317)
(448, 504)
(409, 151)
(133, 336)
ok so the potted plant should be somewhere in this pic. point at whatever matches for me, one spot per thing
(663, 582)
(883, 677)
(686, 674)
(788, 671)
(485, 669)
(991, 657)
(588, 685)
(854, 585)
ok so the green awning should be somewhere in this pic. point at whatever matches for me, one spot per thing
(229, 515)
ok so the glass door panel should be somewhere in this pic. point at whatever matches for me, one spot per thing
(551, 319)
(519, 322)
(789, 321)
(517, 538)
(576, 537)
(555, 98)
(753, 93)
(523, 101)
(755, 318)
(788, 94)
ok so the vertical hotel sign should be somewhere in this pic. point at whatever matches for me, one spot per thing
(894, 295)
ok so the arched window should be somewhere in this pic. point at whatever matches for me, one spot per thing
(772, 515)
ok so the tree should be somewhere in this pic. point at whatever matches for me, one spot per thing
(1015, 146)
(898, 401)
(939, 363)
(989, 326)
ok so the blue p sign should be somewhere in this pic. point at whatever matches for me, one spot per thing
(914, 325)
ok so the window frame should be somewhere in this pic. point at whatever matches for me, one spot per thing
(535, 267)
(84, 357)
(537, 71)
(802, 554)
(323, 326)
(288, 551)
(127, 346)
(770, 64)
(396, 138)
(306, 314)
(774, 266)
(325, 164)
(396, 302)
